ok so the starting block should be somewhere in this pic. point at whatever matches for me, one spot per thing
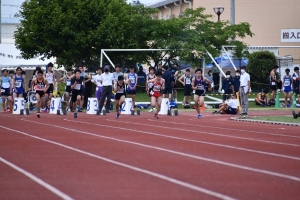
(165, 106)
(137, 112)
(101, 113)
(172, 112)
(92, 106)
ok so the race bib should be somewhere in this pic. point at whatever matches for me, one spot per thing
(132, 80)
(2, 90)
(5, 85)
(18, 84)
(156, 88)
(68, 83)
(39, 87)
(287, 83)
(188, 81)
(273, 83)
(200, 87)
(77, 87)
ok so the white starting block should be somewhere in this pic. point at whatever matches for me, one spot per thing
(19, 104)
(55, 106)
(165, 106)
(126, 107)
(92, 106)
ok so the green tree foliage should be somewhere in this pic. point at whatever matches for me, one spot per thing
(74, 31)
(259, 67)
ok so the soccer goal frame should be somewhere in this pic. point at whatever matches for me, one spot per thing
(120, 50)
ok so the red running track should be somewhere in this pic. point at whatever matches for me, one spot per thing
(139, 157)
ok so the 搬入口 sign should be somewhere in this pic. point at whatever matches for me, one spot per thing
(290, 35)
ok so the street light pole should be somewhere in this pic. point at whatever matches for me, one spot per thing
(218, 10)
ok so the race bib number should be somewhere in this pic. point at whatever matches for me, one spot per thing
(156, 88)
(287, 83)
(2, 90)
(39, 87)
(273, 83)
(68, 83)
(132, 80)
(18, 84)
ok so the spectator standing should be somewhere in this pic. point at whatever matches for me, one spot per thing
(117, 73)
(287, 88)
(236, 81)
(216, 77)
(244, 90)
(273, 82)
(141, 76)
(186, 81)
(227, 86)
(174, 69)
(296, 83)
(167, 75)
(210, 78)
(107, 81)
(160, 67)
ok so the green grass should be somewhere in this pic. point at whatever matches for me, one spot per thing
(288, 119)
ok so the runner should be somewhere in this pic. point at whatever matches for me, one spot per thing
(198, 84)
(87, 78)
(119, 89)
(132, 82)
(50, 77)
(287, 88)
(157, 87)
(76, 83)
(186, 82)
(19, 82)
(149, 77)
(67, 78)
(262, 98)
(40, 85)
(6, 90)
(97, 82)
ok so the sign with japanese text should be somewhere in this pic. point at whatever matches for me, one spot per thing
(290, 35)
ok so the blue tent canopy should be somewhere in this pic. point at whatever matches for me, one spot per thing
(225, 62)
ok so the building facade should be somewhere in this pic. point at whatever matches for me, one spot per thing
(274, 22)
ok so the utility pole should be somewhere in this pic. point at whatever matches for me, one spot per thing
(232, 12)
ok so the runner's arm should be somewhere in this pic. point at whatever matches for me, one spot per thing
(88, 77)
(207, 81)
(193, 84)
(47, 85)
(181, 79)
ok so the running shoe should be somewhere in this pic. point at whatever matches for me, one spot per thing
(151, 110)
(8, 110)
(262, 105)
(75, 115)
(117, 116)
(156, 116)
(199, 116)
(295, 115)
(38, 115)
(215, 112)
(79, 110)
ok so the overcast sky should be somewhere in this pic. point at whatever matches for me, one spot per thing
(147, 2)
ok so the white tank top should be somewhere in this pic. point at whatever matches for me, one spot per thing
(49, 77)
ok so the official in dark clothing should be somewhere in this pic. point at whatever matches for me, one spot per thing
(169, 81)
(227, 86)
(236, 81)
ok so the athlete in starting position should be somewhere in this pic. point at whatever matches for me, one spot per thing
(155, 91)
(119, 89)
(40, 86)
(198, 84)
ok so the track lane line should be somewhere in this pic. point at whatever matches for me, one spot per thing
(294, 178)
(37, 180)
(160, 176)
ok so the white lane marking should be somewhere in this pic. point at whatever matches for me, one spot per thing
(231, 129)
(169, 151)
(222, 135)
(37, 180)
(209, 143)
(163, 177)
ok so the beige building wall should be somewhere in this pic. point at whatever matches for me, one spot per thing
(266, 17)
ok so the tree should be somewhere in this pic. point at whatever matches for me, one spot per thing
(259, 67)
(76, 30)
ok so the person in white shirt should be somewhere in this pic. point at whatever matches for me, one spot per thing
(244, 90)
(107, 81)
(230, 106)
(97, 82)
